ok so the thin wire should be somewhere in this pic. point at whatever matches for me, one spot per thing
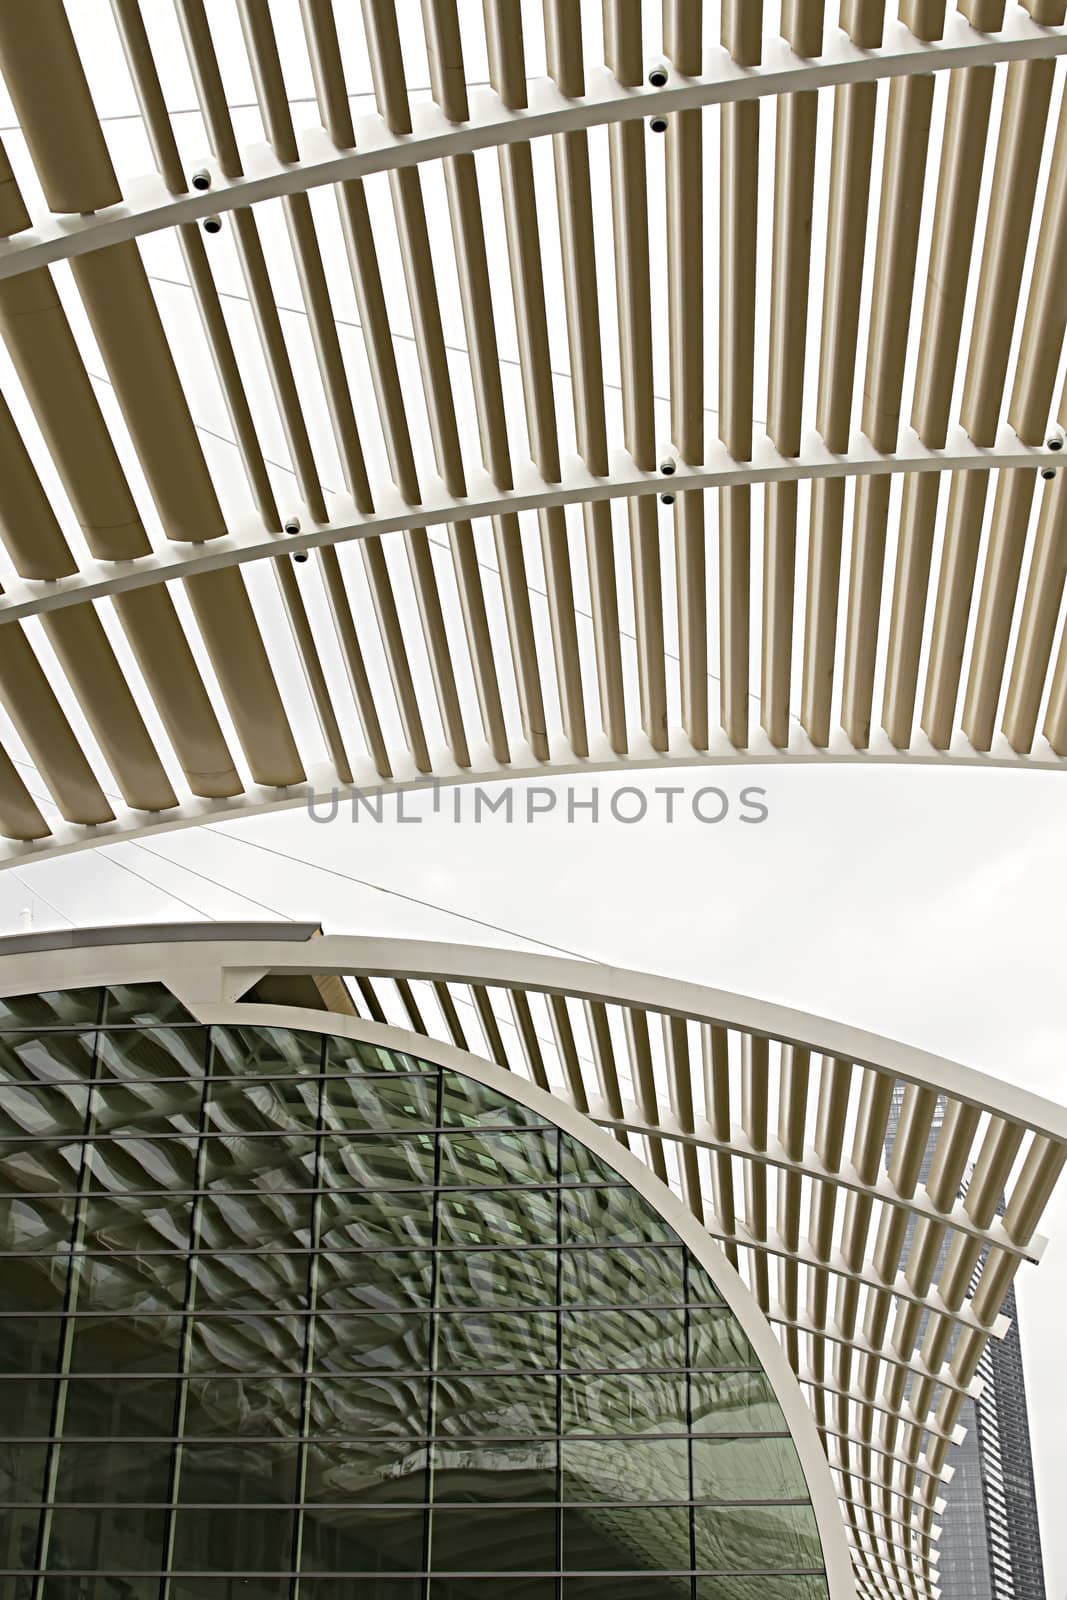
(207, 878)
(36, 894)
(398, 894)
(115, 862)
(251, 105)
(441, 544)
(364, 883)
(456, 349)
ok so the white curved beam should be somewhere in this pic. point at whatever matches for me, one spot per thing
(1020, 1152)
(250, 541)
(149, 206)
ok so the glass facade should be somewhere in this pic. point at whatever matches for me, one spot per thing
(283, 1314)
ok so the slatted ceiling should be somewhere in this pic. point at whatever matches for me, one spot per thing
(228, 626)
(915, 545)
(20, 815)
(222, 352)
(1055, 727)
(125, 322)
(31, 534)
(318, 688)
(1041, 605)
(870, 520)
(151, 625)
(638, 694)
(13, 214)
(37, 717)
(1045, 320)
(50, 369)
(490, 1027)
(354, 662)
(37, 52)
(1022, 130)
(395, 650)
(276, 357)
(89, 665)
(959, 563)
(821, 606)
(381, 356)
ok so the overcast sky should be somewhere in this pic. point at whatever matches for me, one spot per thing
(923, 904)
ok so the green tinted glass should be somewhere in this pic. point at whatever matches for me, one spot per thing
(274, 1305)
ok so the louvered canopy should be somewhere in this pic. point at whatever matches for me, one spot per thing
(391, 396)
(876, 1199)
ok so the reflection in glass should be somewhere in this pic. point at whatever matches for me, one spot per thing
(274, 1304)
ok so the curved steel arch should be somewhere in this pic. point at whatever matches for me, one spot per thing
(739, 1087)
(150, 677)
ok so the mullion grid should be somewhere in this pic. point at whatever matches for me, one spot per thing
(66, 1331)
(431, 1354)
(196, 1283)
(181, 1398)
(313, 1258)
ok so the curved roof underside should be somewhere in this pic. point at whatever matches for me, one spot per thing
(461, 304)
(877, 1200)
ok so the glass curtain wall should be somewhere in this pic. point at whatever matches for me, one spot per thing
(288, 1315)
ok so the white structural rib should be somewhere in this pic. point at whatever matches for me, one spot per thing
(882, 1289)
(463, 467)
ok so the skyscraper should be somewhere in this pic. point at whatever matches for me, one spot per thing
(990, 1542)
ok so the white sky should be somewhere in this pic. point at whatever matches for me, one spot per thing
(926, 905)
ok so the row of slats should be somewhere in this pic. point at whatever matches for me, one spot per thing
(885, 1371)
(77, 174)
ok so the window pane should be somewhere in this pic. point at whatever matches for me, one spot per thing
(634, 1538)
(130, 1407)
(354, 1055)
(381, 1103)
(492, 1539)
(221, 1407)
(524, 1470)
(610, 1216)
(111, 1470)
(496, 1341)
(122, 1540)
(363, 1539)
(60, 1008)
(26, 1407)
(651, 1587)
(497, 1278)
(375, 1163)
(491, 1159)
(593, 1339)
(379, 1472)
(625, 1469)
(465, 1101)
(717, 1341)
(147, 1053)
(498, 1217)
(622, 1277)
(735, 1402)
(222, 1539)
(364, 1220)
(747, 1469)
(489, 1589)
(37, 1226)
(496, 1407)
(625, 1403)
(756, 1538)
(761, 1588)
(265, 1052)
(346, 1408)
